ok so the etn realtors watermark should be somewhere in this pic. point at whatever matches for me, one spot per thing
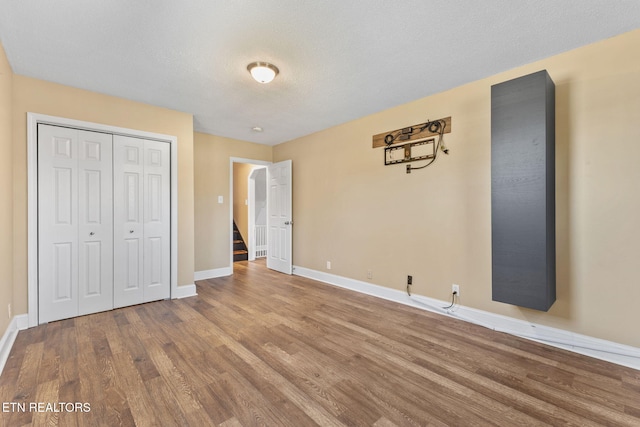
(46, 407)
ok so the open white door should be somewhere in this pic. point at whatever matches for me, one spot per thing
(279, 220)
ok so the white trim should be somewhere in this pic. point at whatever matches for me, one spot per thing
(212, 274)
(32, 218)
(251, 218)
(33, 119)
(18, 323)
(252, 211)
(594, 347)
(184, 291)
(233, 160)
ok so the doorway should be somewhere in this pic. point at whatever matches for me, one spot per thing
(279, 211)
(257, 207)
(248, 193)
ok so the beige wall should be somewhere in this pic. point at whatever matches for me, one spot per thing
(241, 173)
(212, 156)
(6, 191)
(352, 210)
(435, 223)
(38, 96)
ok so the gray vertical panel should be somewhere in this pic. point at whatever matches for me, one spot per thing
(523, 191)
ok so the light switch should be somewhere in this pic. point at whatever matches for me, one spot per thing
(220, 199)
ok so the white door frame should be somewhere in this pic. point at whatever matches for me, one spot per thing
(233, 160)
(252, 212)
(33, 119)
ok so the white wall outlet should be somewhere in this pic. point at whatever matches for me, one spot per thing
(328, 265)
(369, 274)
(455, 289)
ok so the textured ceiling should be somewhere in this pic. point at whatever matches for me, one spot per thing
(339, 60)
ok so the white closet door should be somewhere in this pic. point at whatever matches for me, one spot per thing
(141, 221)
(74, 187)
(128, 227)
(95, 220)
(57, 223)
(157, 221)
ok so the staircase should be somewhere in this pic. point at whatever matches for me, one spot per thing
(240, 252)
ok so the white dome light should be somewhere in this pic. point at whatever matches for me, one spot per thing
(262, 72)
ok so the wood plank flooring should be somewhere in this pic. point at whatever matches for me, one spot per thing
(264, 349)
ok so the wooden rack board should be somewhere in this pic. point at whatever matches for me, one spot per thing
(378, 140)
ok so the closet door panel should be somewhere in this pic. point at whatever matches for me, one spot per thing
(95, 217)
(57, 223)
(156, 220)
(64, 278)
(74, 222)
(128, 227)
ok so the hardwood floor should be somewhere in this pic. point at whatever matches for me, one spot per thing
(261, 348)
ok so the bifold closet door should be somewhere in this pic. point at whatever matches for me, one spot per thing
(75, 235)
(141, 220)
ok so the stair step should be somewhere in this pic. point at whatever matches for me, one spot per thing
(240, 252)
(240, 256)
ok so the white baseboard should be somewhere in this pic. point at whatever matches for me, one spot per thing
(184, 291)
(212, 274)
(18, 323)
(601, 349)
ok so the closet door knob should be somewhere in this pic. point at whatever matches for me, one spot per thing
(131, 231)
(91, 233)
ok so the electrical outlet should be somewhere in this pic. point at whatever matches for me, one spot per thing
(328, 265)
(409, 280)
(455, 289)
(369, 274)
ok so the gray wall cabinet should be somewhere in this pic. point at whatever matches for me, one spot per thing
(523, 191)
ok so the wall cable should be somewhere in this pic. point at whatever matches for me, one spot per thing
(558, 342)
(438, 126)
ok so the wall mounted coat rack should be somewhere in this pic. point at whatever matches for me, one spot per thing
(411, 133)
(414, 143)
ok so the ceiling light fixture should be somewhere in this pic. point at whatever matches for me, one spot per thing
(263, 72)
(257, 129)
